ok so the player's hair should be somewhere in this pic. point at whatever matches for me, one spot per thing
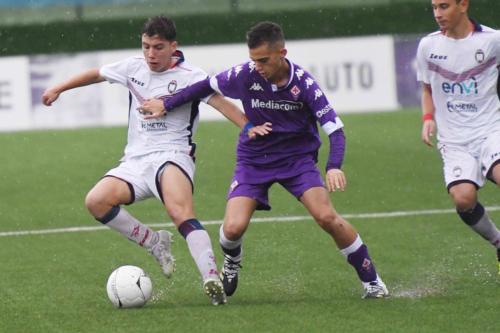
(161, 26)
(265, 32)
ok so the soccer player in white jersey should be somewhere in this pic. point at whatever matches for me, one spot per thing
(459, 70)
(159, 155)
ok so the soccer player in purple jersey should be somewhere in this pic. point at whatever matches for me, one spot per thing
(285, 103)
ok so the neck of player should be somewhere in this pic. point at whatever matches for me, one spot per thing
(282, 75)
(461, 30)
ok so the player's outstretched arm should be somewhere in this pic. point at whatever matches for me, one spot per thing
(429, 125)
(155, 108)
(235, 115)
(228, 110)
(83, 79)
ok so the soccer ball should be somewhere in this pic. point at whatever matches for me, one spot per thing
(129, 287)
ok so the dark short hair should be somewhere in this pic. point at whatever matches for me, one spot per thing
(265, 32)
(161, 26)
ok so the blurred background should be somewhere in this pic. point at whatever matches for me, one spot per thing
(51, 26)
(362, 52)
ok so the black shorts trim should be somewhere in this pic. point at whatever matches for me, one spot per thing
(157, 178)
(130, 187)
(462, 181)
(489, 174)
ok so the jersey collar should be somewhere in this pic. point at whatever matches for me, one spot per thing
(177, 59)
(292, 70)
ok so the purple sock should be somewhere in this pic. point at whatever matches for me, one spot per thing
(362, 263)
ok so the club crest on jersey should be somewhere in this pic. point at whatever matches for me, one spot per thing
(479, 56)
(295, 91)
(172, 86)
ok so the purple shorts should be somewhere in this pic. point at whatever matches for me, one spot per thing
(254, 182)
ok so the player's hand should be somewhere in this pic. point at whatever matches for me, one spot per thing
(335, 180)
(49, 96)
(428, 131)
(260, 130)
(152, 108)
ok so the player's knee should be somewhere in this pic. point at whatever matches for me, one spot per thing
(96, 205)
(179, 213)
(232, 231)
(327, 219)
(463, 200)
(91, 202)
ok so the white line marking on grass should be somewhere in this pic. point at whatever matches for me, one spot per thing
(254, 220)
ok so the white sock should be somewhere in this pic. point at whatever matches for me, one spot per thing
(200, 246)
(353, 247)
(227, 244)
(133, 229)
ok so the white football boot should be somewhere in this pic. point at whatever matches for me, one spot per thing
(161, 251)
(214, 290)
(375, 289)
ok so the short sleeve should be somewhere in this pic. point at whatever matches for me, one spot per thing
(422, 73)
(116, 72)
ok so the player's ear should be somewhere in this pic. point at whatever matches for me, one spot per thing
(283, 52)
(464, 5)
(173, 45)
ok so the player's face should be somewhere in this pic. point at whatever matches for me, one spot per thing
(448, 13)
(269, 60)
(158, 52)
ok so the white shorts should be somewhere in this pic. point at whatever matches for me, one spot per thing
(143, 173)
(471, 162)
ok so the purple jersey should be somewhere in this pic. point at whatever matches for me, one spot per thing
(293, 111)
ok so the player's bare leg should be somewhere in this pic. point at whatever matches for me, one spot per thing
(103, 202)
(495, 174)
(239, 210)
(464, 196)
(317, 202)
(177, 193)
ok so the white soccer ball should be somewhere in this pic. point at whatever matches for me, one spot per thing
(129, 287)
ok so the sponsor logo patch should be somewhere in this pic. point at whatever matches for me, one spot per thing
(323, 111)
(461, 107)
(256, 87)
(276, 105)
(139, 83)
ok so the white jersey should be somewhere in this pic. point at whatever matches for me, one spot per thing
(170, 132)
(463, 75)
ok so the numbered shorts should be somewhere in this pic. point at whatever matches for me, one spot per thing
(143, 173)
(472, 162)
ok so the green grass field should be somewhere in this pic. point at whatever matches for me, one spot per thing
(442, 276)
